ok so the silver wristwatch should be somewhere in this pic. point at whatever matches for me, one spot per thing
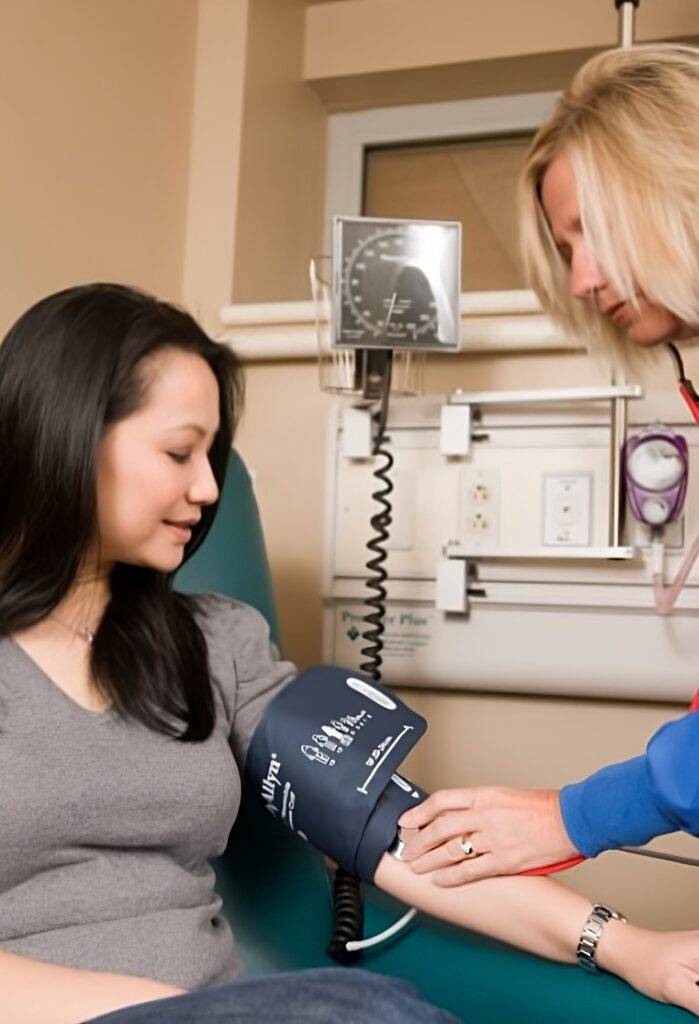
(592, 933)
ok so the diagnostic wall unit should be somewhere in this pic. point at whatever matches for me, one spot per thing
(551, 602)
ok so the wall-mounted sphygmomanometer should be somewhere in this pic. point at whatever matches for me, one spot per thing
(388, 294)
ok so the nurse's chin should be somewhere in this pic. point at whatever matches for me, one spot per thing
(646, 331)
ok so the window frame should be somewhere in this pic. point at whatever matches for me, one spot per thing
(351, 134)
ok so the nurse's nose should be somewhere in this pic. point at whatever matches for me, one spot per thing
(585, 276)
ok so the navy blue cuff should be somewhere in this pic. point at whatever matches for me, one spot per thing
(322, 759)
(613, 808)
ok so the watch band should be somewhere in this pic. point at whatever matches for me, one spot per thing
(592, 933)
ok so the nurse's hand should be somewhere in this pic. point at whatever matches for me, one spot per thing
(511, 830)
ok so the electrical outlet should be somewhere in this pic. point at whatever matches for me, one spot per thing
(479, 523)
(480, 498)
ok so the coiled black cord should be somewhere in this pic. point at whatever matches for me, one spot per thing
(348, 913)
(380, 523)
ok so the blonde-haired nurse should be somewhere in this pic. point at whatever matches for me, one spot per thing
(609, 200)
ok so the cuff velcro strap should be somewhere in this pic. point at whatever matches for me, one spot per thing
(322, 759)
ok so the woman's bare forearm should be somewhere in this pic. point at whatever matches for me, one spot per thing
(35, 992)
(546, 918)
(534, 913)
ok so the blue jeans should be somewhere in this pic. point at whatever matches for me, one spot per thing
(327, 995)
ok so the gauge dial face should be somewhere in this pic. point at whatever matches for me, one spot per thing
(396, 283)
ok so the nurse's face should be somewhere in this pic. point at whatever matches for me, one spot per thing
(153, 466)
(647, 325)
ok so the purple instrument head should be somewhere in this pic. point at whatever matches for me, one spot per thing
(656, 465)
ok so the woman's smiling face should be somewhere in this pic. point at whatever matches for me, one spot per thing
(648, 324)
(153, 466)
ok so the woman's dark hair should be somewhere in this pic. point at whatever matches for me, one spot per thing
(69, 369)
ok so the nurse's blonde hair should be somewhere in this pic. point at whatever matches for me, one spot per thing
(629, 122)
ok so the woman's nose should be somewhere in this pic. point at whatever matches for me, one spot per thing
(585, 276)
(204, 489)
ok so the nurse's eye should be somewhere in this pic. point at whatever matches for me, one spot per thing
(179, 459)
(565, 252)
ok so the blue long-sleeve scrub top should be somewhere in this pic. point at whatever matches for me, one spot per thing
(630, 803)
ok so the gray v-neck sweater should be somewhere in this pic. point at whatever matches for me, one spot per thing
(106, 827)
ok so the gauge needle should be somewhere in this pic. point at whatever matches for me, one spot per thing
(390, 309)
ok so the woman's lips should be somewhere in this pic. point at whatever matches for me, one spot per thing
(183, 533)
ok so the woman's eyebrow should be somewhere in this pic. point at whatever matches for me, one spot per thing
(194, 426)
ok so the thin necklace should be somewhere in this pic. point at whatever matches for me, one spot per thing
(84, 632)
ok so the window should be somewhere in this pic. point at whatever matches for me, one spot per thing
(472, 181)
(452, 161)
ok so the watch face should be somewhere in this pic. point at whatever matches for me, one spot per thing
(396, 283)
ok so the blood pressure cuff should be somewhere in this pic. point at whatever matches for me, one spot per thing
(324, 759)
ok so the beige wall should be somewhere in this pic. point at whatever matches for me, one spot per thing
(280, 199)
(95, 120)
(351, 38)
(363, 53)
(214, 156)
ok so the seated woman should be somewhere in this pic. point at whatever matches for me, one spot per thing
(120, 701)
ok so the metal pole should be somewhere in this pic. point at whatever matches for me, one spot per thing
(627, 11)
(617, 431)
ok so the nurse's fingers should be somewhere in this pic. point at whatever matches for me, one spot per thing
(448, 826)
(484, 866)
(436, 804)
(454, 851)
